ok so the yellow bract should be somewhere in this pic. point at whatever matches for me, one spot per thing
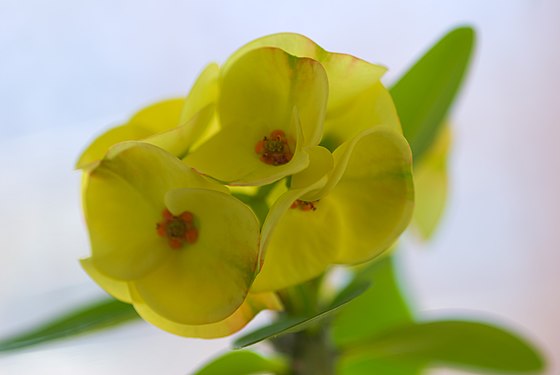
(357, 99)
(203, 282)
(359, 208)
(264, 91)
(430, 180)
(124, 291)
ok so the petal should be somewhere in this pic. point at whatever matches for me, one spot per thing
(348, 76)
(179, 140)
(208, 280)
(321, 163)
(374, 194)
(230, 155)
(116, 288)
(264, 85)
(294, 44)
(374, 106)
(289, 248)
(123, 198)
(301, 245)
(430, 184)
(160, 116)
(97, 149)
(155, 118)
(253, 304)
(204, 92)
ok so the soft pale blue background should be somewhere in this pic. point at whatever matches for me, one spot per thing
(69, 69)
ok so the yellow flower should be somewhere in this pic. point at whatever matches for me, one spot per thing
(177, 246)
(346, 208)
(357, 99)
(271, 110)
(174, 125)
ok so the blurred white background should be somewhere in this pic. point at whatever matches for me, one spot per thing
(70, 69)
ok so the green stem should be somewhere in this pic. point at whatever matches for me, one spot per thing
(310, 352)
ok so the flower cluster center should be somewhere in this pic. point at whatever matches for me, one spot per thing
(178, 229)
(304, 205)
(274, 149)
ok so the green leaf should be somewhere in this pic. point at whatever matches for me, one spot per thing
(291, 324)
(95, 316)
(425, 93)
(368, 366)
(380, 308)
(453, 344)
(242, 362)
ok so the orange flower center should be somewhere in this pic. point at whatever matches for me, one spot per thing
(304, 205)
(274, 149)
(178, 229)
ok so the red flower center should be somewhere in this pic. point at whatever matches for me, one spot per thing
(274, 149)
(304, 205)
(178, 229)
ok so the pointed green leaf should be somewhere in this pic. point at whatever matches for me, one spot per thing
(291, 324)
(425, 93)
(98, 315)
(451, 343)
(381, 307)
(242, 362)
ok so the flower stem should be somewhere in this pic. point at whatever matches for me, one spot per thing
(310, 352)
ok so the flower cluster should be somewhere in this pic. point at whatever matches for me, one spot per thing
(312, 136)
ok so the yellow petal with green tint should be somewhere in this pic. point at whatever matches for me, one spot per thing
(372, 107)
(253, 304)
(206, 281)
(155, 118)
(431, 184)
(160, 116)
(180, 139)
(230, 155)
(374, 194)
(321, 162)
(121, 223)
(203, 92)
(348, 76)
(97, 149)
(301, 245)
(116, 288)
(289, 255)
(264, 85)
(123, 198)
(359, 211)
(199, 120)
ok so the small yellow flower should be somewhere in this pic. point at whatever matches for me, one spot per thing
(271, 110)
(177, 246)
(346, 208)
